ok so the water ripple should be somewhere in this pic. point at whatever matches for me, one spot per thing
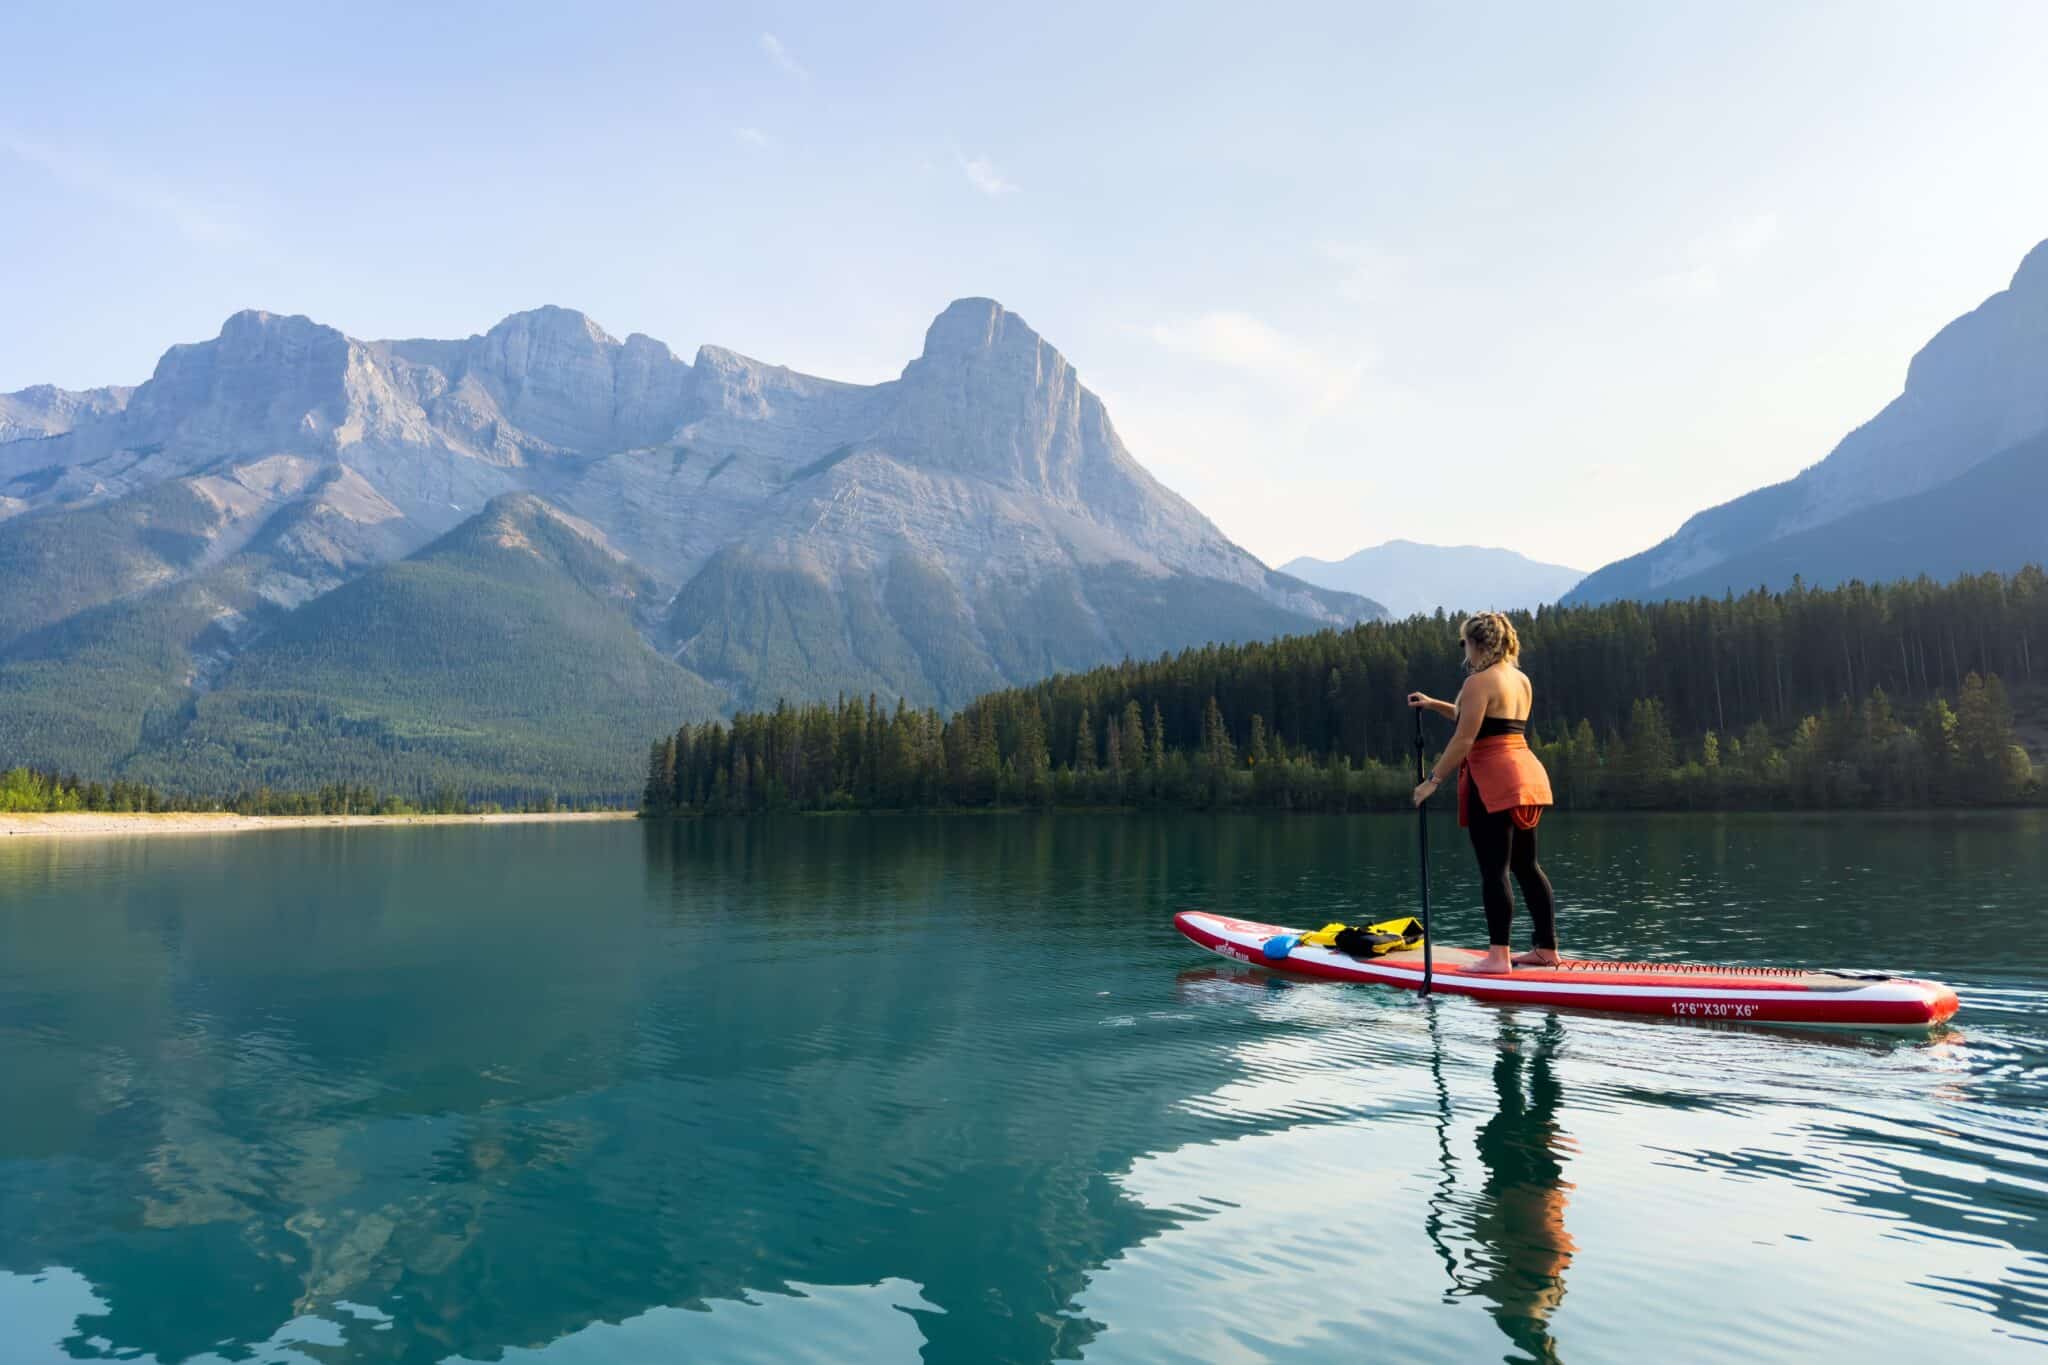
(954, 1090)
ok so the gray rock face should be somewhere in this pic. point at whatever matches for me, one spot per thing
(984, 478)
(551, 380)
(46, 410)
(988, 452)
(1978, 388)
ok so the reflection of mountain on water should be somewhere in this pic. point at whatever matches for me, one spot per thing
(849, 1322)
(504, 1099)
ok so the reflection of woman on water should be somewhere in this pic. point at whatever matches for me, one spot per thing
(1502, 788)
(1521, 1247)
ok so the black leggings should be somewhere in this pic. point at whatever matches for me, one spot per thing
(1501, 849)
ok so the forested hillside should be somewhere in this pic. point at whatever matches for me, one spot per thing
(501, 662)
(1888, 695)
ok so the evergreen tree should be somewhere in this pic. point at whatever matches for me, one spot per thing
(1033, 763)
(1217, 750)
(1134, 736)
(1650, 754)
(1989, 760)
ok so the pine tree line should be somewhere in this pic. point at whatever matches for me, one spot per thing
(1890, 695)
(29, 790)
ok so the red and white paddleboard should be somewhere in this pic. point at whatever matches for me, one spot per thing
(1682, 990)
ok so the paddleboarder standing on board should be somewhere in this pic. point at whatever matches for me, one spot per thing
(1502, 788)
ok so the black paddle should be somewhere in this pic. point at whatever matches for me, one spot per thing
(1422, 824)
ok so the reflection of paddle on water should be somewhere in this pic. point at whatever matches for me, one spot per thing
(1440, 1200)
(1516, 1246)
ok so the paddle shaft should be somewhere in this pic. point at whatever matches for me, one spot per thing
(1422, 828)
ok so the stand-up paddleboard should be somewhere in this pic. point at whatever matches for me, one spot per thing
(1682, 990)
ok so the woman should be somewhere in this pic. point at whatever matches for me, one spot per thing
(1502, 788)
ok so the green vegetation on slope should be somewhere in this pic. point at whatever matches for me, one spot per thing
(79, 558)
(769, 629)
(500, 661)
(84, 694)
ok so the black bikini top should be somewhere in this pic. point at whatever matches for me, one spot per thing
(1501, 725)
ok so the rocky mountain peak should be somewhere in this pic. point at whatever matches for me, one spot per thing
(272, 379)
(553, 323)
(728, 382)
(532, 495)
(1982, 374)
(553, 372)
(46, 410)
(975, 328)
(529, 527)
(654, 349)
(1975, 390)
(2032, 276)
(719, 359)
(990, 397)
(256, 336)
(511, 519)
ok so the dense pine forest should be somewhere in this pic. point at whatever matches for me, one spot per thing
(1896, 695)
(28, 790)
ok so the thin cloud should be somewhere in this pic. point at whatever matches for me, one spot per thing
(753, 137)
(779, 55)
(1713, 258)
(1365, 271)
(983, 175)
(1747, 239)
(198, 223)
(1254, 347)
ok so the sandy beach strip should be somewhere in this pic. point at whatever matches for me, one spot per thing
(108, 824)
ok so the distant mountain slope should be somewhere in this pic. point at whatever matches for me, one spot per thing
(974, 523)
(73, 559)
(991, 527)
(88, 693)
(1978, 388)
(502, 658)
(1993, 518)
(1411, 578)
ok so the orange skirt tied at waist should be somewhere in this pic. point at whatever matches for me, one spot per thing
(1510, 778)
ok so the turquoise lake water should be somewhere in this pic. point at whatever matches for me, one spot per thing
(952, 1089)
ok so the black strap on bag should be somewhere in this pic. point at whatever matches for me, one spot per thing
(1356, 942)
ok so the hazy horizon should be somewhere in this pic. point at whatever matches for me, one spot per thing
(1549, 282)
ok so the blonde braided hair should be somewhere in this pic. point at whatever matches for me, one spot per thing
(1493, 639)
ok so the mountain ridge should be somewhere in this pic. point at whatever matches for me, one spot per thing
(1977, 388)
(1413, 577)
(934, 534)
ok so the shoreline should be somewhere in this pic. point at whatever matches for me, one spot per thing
(1581, 812)
(114, 825)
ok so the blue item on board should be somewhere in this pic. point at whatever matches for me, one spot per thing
(1280, 945)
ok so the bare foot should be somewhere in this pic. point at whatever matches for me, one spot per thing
(1537, 957)
(1495, 963)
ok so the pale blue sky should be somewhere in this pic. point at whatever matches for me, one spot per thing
(1550, 277)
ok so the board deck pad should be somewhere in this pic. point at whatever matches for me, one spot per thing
(1682, 990)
